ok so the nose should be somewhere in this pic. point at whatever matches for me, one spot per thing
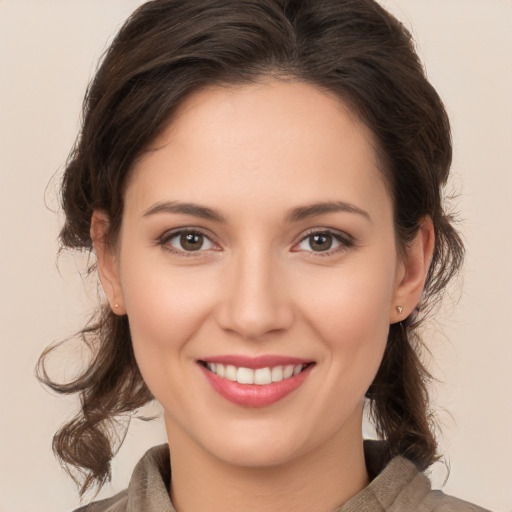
(255, 299)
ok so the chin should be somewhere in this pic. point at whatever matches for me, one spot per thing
(243, 452)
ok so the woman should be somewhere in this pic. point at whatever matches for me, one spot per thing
(261, 183)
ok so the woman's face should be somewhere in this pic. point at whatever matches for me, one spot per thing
(258, 234)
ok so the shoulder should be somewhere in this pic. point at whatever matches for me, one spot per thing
(398, 485)
(148, 487)
(406, 488)
(439, 502)
(117, 503)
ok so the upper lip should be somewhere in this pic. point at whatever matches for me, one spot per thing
(265, 361)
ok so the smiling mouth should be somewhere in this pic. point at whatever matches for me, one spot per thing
(258, 376)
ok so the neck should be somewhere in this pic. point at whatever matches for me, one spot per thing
(320, 480)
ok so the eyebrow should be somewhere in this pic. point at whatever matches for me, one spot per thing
(293, 215)
(311, 210)
(186, 208)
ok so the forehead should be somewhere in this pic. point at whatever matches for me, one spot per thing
(269, 140)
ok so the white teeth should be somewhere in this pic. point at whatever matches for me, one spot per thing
(245, 376)
(261, 376)
(230, 373)
(277, 373)
(220, 370)
(288, 371)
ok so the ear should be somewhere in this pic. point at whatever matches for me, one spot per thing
(107, 262)
(412, 272)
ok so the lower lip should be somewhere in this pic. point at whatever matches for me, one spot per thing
(254, 395)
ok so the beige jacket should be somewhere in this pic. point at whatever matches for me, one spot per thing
(397, 487)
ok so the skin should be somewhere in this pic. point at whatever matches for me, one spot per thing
(259, 285)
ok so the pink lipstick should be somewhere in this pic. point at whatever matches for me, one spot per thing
(255, 381)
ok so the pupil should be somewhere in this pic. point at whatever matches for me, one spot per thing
(191, 241)
(321, 242)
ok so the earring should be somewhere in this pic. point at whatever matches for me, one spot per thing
(116, 305)
(399, 309)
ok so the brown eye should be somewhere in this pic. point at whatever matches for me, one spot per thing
(191, 241)
(187, 241)
(324, 242)
(320, 242)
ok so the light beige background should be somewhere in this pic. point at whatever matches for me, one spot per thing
(48, 51)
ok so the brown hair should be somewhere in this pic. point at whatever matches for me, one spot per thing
(170, 48)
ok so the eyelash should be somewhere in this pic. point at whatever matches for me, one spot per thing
(345, 241)
(164, 240)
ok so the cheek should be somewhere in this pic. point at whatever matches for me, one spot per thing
(351, 317)
(354, 302)
(165, 313)
(165, 308)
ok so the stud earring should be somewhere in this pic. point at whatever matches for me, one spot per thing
(399, 309)
(116, 305)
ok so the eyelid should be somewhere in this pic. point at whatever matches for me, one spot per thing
(164, 239)
(345, 240)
